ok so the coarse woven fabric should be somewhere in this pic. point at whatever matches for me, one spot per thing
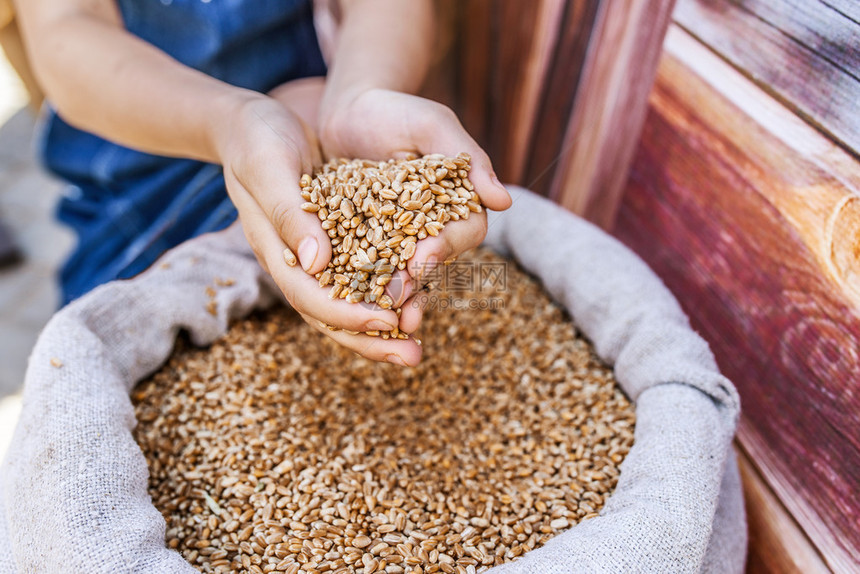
(73, 486)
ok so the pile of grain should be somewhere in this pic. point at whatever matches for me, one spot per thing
(275, 450)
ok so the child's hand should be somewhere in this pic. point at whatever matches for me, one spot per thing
(265, 148)
(380, 124)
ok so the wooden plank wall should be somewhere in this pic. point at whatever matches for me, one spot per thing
(803, 52)
(518, 73)
(560, 91)
(610, 107)
(541, 84)
(752, 217)
(777, 544)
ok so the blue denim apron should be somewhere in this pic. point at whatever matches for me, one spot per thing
(128, 207)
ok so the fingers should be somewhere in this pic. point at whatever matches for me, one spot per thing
(315, 151)
(447, 135)
(306, 296)
(412, 312)
(271, 174)
(383, 124)
(487, 185)
(300, 289)
(455, 239)
(299, 230)
(403, 352)
(400, 288)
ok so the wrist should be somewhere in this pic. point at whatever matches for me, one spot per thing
(227, 112)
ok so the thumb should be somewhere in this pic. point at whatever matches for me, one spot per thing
(295, 219)
(449, 137)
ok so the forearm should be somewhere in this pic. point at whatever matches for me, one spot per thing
(104, 80)
(383, 44)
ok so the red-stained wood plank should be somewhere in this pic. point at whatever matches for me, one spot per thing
(812, 23)
(441, 82)
(519, 66)
(777, 545)
(556, 103)
(527, 34)
(514, 28)
(803, 52)
(734, 201)
(610, 106)
(849, 8)
(473, 45)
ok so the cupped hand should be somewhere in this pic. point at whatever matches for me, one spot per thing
(381, 124)
(264, 148)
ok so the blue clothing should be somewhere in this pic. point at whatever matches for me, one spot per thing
(128, 207)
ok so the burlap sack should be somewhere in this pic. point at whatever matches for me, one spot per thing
(73, 486)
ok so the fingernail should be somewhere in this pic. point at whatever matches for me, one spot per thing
(289, 257)
(400, 288)
(308, 249)
(378, 325)
(396, 360)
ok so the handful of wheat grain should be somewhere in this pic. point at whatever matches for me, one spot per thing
(376, 212)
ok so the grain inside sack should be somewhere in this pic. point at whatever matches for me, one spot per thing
(276, 450)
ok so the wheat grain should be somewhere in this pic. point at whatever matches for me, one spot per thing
(276, 450)
(385, 207)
